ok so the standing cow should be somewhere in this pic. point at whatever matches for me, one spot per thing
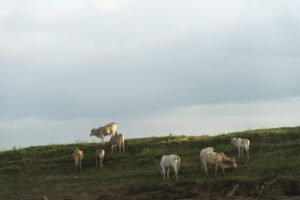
(241, 144)
(203, 152)
(99, 154)
(167, 162)
(78, 156)
(117, 140)
(218, 159)
(101, 132)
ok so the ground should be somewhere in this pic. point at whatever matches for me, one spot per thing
(47, 172)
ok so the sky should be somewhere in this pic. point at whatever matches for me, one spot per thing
(155, 67)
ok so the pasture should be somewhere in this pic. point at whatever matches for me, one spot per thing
(48, 171)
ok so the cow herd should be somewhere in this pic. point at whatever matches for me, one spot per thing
(207, 155)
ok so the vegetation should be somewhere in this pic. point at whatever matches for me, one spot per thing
(34, 172)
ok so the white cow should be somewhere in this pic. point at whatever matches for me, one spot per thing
(241, 144)
(101, 132)
(168, 161)
(203, 151)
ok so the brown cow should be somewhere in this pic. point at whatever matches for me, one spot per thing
(99, 154)
(218, 159)
(78, 156)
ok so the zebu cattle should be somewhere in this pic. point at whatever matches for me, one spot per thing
(101, 132)
(99, 154)
(218, 159)
(77, 156)
(168, 161)
(241, 144)
(117, 140)
(203, 151)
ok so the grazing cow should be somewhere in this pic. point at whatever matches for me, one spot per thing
(78, 156)
(117, 140)
(203, 151)
(99, 154)
(101, 132)
(168, 161)
(218, 159)
(241, 144)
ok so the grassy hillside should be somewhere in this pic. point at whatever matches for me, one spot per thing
(34, 172)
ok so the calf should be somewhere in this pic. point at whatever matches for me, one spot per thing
(78, 156)
(241, 144)
(99, 154)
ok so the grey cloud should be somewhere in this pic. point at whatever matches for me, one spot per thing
(89, 63)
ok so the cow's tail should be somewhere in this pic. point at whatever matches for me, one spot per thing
(178, 162)
(123, 142)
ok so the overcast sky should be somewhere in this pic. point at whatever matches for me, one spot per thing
(154, 67)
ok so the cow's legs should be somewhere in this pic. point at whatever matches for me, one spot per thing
(101, 161)
(205, 168)
(216, 169)
(242, 151)
(239, 151)
(164, 172)
(223, 170)
(76, 163)
(168, 170)
(120, 148)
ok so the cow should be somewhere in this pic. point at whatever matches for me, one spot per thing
(101, 132)
(117, 140)
(218, 159)
(99, 154)
(241, 144)
(78, 156)
(168, 161)
(203, 151)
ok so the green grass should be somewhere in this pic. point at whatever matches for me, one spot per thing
(33, 172)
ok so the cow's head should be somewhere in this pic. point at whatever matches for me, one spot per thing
(93, 132)
(234, 163)
(233, 139)
(159, 171)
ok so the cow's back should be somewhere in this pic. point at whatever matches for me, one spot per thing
(205, 150)
(245, 142)
(169, 160)
(211, 158)
(117, 138)
(166, 161)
